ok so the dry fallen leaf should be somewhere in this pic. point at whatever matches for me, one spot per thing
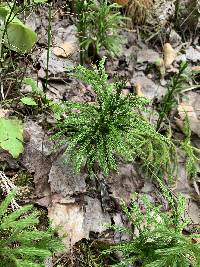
(65, 50)
(122, 2)
(169, 55)
(138, 89)
(196, 68)
(179, 123)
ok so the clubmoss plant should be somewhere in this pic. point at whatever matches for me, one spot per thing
(110, 128)
(21, 244)
(159, 241)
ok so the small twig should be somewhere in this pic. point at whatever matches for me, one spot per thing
(7, 186)
(49, 44)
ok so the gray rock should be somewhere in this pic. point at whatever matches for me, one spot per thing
(118, 221)
(63, 180)
(65, 34)
(28, 88)
(181, 58)
(193, 54)
(33, 21)
(123, 183)
(148, 187)
(174, 38)
(182, 185)
(94, 218)
(149, 88)
(77, 221)
(191, 106)
(57, 66)
(36, 156)
(147, 55)
(193, 212)
(56, 91)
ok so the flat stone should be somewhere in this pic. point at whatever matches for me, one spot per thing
(150, 89)
(63, 180)
(57, 66)
(77, 221)
(95, 219)
(147, 55)
(70, 218)
(36, 156)
(193, 54)
(124, 182)
(193, 212)
(182, 184)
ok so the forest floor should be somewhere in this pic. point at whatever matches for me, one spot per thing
(44, 176)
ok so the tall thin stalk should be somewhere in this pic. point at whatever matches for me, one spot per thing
(49, 43)
(81, 15)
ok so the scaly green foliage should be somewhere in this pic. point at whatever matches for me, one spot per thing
(174, 88)
(98, 24)
(110, 127)
(21, 244)
(11, 136)
(192, 153)
(160, 241)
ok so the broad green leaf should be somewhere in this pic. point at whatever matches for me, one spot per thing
(29, 101)
(19, 37)
(11, 136)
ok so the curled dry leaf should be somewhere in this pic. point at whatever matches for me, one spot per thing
(65, 50)
(138, 89)
(169, 55)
